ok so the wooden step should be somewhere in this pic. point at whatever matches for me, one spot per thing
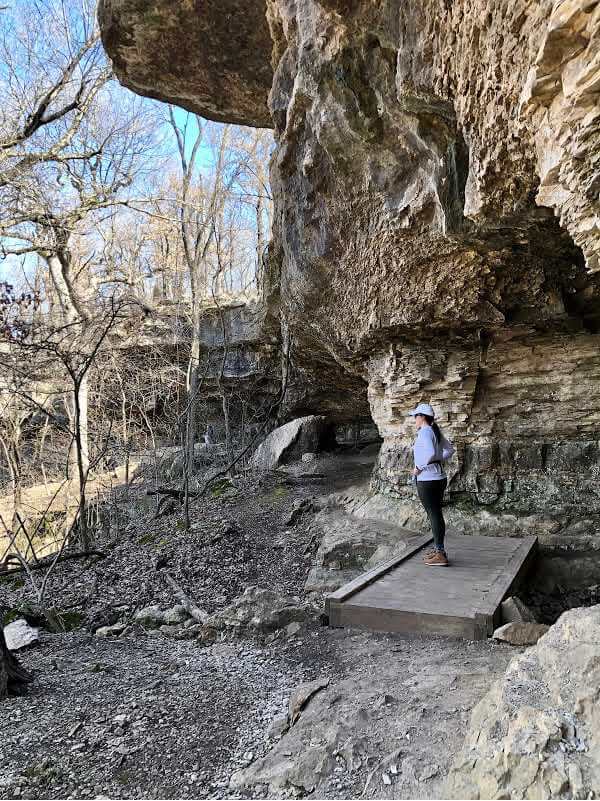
(404, 595)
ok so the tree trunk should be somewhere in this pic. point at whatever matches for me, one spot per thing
(191, 423)
(260, 246)
(80, 394)
(228, 443)
(13, 677)
(81, 423)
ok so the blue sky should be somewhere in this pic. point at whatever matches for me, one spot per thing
(11, 268)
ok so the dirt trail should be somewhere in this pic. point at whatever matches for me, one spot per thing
(150, 715)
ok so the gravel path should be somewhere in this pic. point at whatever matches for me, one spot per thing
(146, 715)
(151, 717)
(140, 717)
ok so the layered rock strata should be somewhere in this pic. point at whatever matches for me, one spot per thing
(436, 228)
(535, 734)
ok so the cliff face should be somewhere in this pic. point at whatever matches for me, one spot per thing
(437, 226)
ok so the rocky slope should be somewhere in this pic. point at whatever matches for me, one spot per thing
(436, 227)
(535, 734)
(138, 700)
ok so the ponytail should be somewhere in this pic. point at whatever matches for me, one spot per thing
(435, 428)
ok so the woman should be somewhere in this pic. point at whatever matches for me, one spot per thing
(431, 450)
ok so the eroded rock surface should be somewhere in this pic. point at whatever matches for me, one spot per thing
(209, 57)
(348, 546)
(436, 226)
(536, 733)
(374, 722)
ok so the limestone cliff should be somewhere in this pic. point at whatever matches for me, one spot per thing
(437, 231)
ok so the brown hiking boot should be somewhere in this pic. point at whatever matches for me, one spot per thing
(431, 552)
(437, 559)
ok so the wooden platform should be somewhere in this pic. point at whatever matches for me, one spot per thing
(403, 595)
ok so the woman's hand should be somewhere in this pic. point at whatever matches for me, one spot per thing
(416, 471)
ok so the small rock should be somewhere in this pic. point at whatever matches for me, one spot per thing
(19, 634)
(299, 508)
(515, 611)
(110, 631)
(151, 617)
(177, 614)
(309, 457)
(385, 700)
(293, 628)
(520, 633)
(428, 772)
(75, 729)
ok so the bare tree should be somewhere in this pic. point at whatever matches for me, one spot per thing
(13, 327)
(67, 162)
(69, 157)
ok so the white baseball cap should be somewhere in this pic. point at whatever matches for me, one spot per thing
(423, 408)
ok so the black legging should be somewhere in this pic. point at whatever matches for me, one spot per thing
(431, 495)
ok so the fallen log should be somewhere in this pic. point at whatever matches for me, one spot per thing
(178, 494)
(46, 562)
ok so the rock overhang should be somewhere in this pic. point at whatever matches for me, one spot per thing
(435, 229)
(211, 57)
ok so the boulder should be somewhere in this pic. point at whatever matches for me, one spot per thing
(151, 617)
(258, 611)
(19, 634)
(520, 633)
(515, 611)
(288, 442)
(536, 734)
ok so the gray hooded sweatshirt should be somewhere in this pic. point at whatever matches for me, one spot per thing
(427, 450)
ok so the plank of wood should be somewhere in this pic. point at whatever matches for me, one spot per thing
(376, 572)
(401, 621)
(403, 595)
(507, 580)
